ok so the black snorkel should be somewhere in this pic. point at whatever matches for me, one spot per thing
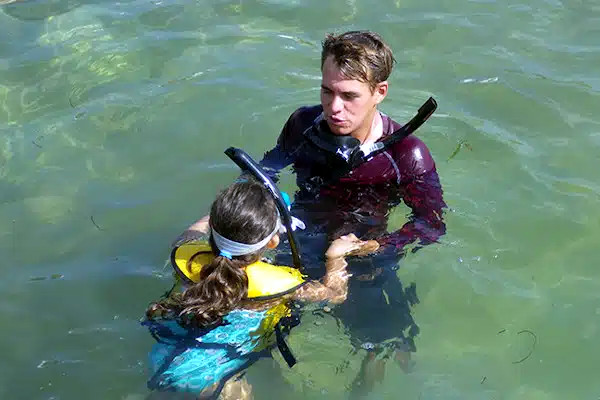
(345, 151)
(423, 115)
(247, 164)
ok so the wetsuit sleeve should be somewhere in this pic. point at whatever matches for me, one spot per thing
(281, 155)
(423, 195)
(291, 144)
(420, 189)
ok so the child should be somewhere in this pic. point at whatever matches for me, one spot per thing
(235, 305)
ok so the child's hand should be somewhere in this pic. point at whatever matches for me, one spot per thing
(350, 245)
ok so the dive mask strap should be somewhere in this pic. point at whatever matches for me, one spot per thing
(229, 248)
(226, 254)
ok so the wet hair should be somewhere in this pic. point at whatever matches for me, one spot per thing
(360, 55)
(244, 212)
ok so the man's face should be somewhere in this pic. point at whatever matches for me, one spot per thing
(348, 105)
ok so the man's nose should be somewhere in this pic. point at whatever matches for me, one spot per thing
(337, 104)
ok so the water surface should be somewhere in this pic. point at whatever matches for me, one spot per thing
(113, 119)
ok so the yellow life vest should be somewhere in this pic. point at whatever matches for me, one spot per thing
(265, 281)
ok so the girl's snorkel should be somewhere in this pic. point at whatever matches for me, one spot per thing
(247, 164)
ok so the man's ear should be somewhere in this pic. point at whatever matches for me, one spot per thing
(274, 242)
(380, 91)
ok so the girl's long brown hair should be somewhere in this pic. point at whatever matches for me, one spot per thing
(244, 212)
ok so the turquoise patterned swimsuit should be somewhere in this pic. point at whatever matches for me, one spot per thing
(191, 360)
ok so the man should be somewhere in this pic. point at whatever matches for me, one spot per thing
(355, 67)
(336, 198)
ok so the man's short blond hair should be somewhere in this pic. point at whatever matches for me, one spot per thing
(360, 55)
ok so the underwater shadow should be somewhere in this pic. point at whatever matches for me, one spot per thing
(36, 10)
(377, 314)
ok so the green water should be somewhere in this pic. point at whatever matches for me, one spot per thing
(113, 119)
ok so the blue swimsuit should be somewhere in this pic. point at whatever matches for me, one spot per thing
(191, 360)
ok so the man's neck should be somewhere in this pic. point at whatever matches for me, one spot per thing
(371, 132)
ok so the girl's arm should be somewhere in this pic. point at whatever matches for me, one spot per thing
(197, 230)
(335, 282)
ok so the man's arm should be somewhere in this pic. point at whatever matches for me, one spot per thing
(279, 156)
(275, 160)
(290, 141)
(420, 190)
(423, 194)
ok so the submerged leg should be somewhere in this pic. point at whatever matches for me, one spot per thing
(372, 371)
(237, 388)
(170, 396)
(404, 360)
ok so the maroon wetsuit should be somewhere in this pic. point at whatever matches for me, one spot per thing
(378, 306)
(405, 171)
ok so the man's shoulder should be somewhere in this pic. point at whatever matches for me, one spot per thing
(306, 115)
(413, 156)
(297, 123)
(300, 120)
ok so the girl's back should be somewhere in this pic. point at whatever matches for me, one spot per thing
(235, 308)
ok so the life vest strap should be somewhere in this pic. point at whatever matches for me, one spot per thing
(282, 328)
(283, 347)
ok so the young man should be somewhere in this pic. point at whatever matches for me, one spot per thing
(355, 67)
(336, 199)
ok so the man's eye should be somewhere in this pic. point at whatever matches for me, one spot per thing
(350, 96)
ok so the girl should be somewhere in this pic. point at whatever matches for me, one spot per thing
(235, 306)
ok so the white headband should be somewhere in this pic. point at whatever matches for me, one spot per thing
(232, 248)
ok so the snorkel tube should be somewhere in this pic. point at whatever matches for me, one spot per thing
(425, 111)
(345, 153)
(247, 164)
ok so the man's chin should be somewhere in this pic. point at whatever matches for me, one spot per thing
(339, 130)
